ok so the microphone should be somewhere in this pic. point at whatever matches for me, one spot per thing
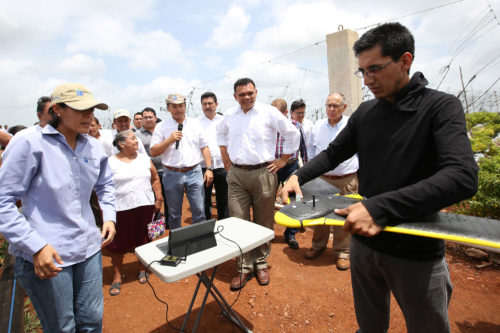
(179, 128)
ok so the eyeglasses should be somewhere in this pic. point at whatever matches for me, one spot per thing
(334, 106)
(370, 71)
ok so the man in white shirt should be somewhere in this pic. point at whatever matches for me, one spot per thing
(145, 134)
(121, 122)
(209, 121)
(247, 139)
(182, 145)
(344, 177)
(298, 113)
(44, 118)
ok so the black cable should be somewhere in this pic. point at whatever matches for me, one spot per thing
(220, 228)
(159, 300)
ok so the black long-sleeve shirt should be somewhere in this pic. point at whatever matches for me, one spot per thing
(414, 159)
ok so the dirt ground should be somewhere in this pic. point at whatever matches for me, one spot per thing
(303, 296)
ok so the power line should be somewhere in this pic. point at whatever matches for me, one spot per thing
(496, 17)
(411, 14)
(300, 68)
(498, 79)
(462, 44)
(323, 41)
(266, 61)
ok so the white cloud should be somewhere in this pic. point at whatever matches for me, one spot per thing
(82, 65)
(13, 66)
(302, 24)
(103, 35)
(113, 37)
(149, 50)
(231, 30)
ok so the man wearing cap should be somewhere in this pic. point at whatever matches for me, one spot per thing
(247, 139)
(182, 145)
(121, 122)
(55, 239)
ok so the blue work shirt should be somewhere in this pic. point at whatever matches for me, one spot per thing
(54, 183)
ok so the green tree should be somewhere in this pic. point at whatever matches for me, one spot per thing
(484, 128)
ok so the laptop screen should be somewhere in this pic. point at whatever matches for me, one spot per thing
(190, 239)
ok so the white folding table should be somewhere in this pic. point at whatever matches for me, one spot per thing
(246, 234)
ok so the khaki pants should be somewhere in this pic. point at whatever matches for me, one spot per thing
(341, 239)
(255, 189)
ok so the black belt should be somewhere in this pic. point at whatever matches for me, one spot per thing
(251, 167)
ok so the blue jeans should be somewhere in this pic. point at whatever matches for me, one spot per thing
(71, 301)
(175, 184)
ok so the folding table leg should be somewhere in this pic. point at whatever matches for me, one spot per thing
(188, 313)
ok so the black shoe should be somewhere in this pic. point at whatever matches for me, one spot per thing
(292, 243)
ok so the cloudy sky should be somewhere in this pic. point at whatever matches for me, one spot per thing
(132, 54)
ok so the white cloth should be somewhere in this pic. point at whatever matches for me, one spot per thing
(132, 182)
(307, 129)
(209, 127)
(106, 139)
(322, 134)
(27, 130)
(189, 151)
(250, 137)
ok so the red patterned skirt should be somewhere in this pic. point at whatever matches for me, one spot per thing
(131, 228)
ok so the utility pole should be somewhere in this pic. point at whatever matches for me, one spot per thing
(466, 102)
(341, 67)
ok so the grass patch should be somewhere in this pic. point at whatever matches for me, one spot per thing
(3, 250)
(31, 321)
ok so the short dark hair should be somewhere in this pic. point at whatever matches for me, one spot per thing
(394, 39)
(297, 105)
(208, 94)
(40, 104)
(137, 113)
(243, 82)
(148, 109)
(96, 120)
(14, 129)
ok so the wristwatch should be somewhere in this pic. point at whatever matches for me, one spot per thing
(211, 168)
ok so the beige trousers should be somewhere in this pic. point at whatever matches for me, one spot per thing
(254, 189)
(341, 239)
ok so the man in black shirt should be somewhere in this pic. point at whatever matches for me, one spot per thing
(414, 159)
